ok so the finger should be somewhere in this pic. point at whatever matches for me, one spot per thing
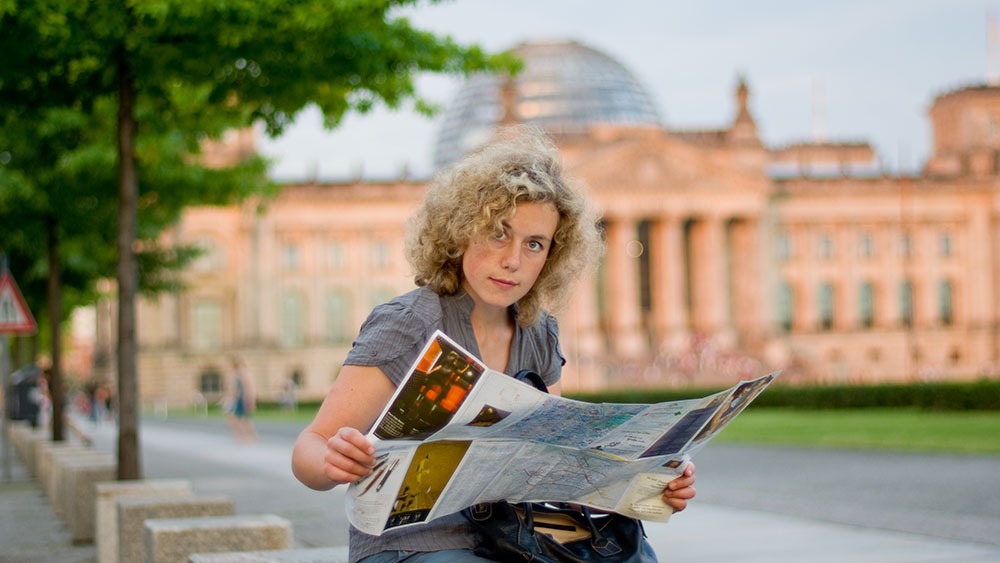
(354, 436)
(680, 483)
(677, 504)
(340, 476)
(678, 500)
(689, 469)
(343, 468)
(354, 445)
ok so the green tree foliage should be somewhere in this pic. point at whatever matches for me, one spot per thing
(153, 79)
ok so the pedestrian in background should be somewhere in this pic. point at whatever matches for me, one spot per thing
(241, 403)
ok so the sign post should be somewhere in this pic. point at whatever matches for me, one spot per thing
(15, 318)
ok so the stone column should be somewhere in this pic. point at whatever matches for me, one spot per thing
(978, 260)
(581, 336)
(709, 288)
(745, 277)
(622, 287)
(668, 277)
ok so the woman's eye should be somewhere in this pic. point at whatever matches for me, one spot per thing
(535, 245)
(500, 235)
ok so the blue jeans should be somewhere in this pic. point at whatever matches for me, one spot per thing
(444, 556)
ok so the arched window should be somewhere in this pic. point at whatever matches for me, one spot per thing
(338, 316)
(945, 295)
(826, 306)
(786, 307)
(206, 324)
(210, 382)
(212, 256)
(906, 303)
(866, 305)
(380, 295)
(293, 309)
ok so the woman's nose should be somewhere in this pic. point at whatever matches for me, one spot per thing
(511, 258)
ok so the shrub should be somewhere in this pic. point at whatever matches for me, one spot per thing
(979, 395)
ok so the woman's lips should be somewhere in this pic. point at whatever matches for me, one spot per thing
(505, 284)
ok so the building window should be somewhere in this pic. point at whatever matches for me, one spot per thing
(297, 378)
(335, 256)
(906, 303)
(380, 295)
(824, 247)
(866, 304)
(945, 295)
(292, 319)
(290, 259)
(380, 255)
(210, 382)
(945, 246)
(211, 257)
(206, 317)
(338, 316)
(826, 299)
(905, 245)
(783, 247)
(866, 246)
(786, 307)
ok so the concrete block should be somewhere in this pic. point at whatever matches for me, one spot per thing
(63, 463)
(82, 477)
(174, 540)
(132, 512)
(309, 555)
(44, 452)
(16, 431)
(27, 453)
(108, 494)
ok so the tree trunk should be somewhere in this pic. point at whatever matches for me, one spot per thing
(128, 278)
(56, 390)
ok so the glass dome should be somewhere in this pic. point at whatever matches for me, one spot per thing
(564, 87)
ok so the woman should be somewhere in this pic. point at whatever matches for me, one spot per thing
(498, 240)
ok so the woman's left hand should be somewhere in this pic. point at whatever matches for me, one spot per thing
(680, 490)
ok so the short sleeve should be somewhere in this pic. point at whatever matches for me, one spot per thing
(390, 339)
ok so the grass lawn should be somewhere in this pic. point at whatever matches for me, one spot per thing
(973, 432)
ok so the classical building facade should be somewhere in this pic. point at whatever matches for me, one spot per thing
(726, 258)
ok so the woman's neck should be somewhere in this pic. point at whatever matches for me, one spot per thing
(494, 330)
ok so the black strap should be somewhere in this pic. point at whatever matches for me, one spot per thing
(528, 376)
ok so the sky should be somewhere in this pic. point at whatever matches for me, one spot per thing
(841, 71)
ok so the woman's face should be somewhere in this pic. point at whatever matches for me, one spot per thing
(500, 268)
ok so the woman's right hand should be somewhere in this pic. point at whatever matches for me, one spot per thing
(349, 457)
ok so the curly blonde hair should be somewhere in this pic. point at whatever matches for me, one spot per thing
(477, 194)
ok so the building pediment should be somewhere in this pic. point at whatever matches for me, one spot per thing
(651, 161)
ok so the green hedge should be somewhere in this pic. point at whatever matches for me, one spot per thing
(979, 395)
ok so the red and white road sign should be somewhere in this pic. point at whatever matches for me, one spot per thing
(15, 318)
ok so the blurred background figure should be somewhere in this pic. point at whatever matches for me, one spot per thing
(288, 398)
(241, 402)
(24, 398)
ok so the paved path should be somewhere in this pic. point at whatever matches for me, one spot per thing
(824, 507)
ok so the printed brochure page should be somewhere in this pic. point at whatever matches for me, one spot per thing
(457, 433)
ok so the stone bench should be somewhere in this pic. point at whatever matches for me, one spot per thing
(174, 540)
(310, 555)
(133, 512)
(109, 493)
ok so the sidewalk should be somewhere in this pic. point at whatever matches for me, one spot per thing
(30, 531)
